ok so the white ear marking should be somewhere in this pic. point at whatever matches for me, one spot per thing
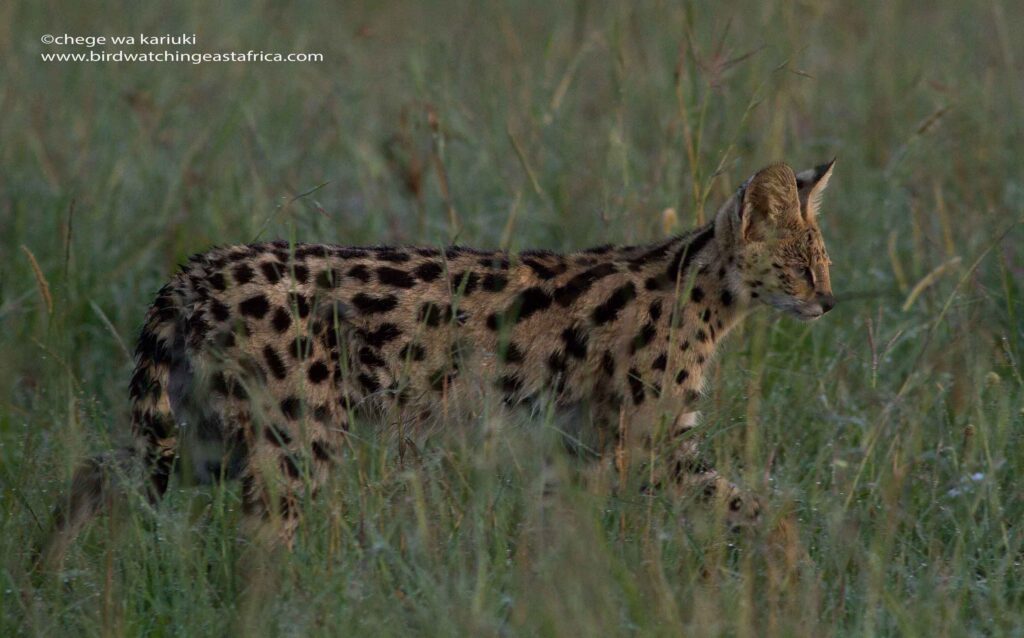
(812, 184)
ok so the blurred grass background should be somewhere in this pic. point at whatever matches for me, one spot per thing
(886, 438)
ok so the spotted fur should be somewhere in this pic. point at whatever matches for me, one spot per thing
(265, 352)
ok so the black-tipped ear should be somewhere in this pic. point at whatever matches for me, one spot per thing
(811, 184)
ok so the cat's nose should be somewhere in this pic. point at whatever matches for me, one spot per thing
(827, 301)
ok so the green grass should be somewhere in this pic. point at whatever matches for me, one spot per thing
(887, 440)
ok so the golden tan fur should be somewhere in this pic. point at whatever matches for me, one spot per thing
(254, 359)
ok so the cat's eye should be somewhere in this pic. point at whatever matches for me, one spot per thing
(809, 275)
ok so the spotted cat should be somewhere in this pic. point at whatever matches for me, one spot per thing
(254, 359)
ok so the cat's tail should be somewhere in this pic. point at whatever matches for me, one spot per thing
(103, 480)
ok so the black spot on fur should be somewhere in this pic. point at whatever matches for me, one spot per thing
(660, 363)
(368, 383)
(218, 383)
(556, 363)
(320, 450)
(256, 307)
(432, 314)
(726, 298)
(608, 363)
(289, 467)
(349, 253)
(413, 351)
(274, 362)
(300, 273)
(497, 263)
(706, 317)
(242, 274)
(539, 269)
(217, 281)
(329, 337)
(219, 311)
(636, 386)
(637, 263)
(360, 272)
(330, 315)
(318, 372)
(282, 320)
(428, 271)
(531, 301)
(579, 284)
(494, 282)
(275, 434)
(512, 354)
(702, 336)
(466, 282)
(384, 333)
(609, 310)
(655, 310)
(224, 340)
(368, 357)
(389, 276)
(390, 254)
(697, 294)
(682, 376)
(322, 413)
(685, 255)
(327, 279)
(310, 250)
(291, 407)
(238, 391)
(369, 305)
(644, 337)
(272, 271)
(575, 340)
(298, 302)
(527, 303)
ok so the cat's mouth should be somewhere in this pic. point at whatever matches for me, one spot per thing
(796, 308)
(807, 315)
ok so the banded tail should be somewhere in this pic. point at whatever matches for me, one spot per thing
(149, 460)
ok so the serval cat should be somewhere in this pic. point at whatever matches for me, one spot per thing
(254, 359)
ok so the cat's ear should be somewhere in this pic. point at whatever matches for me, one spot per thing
(811, 184)
(768, 199)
